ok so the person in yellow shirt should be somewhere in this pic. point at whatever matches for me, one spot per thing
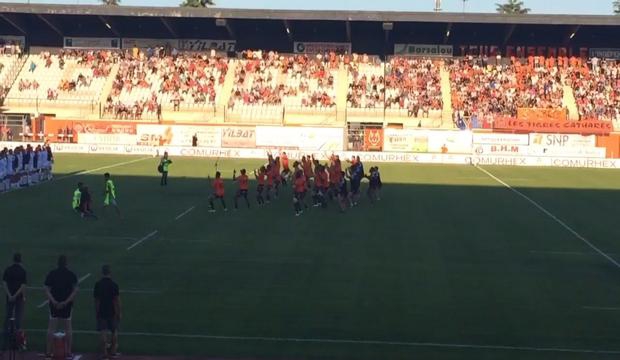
(110, 194)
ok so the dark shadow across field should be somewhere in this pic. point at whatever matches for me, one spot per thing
(440, 265)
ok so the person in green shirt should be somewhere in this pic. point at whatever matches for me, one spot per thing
(163, 165)
(77, 195)
(110, 194)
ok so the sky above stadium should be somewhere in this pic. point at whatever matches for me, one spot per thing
(593, 7)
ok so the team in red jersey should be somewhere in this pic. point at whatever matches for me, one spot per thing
(243, 182)
(299, 187)
(218, 191)
(261, 178)
(328, 182)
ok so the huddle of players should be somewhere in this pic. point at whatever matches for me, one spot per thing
(326, 181)
(82, 198)
(24, 166)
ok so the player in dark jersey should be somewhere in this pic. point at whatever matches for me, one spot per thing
(244, 182)
(373, 184)
(344, 198)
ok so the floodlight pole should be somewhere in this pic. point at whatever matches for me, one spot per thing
(437, 5)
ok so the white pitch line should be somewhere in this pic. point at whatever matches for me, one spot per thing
(102, 168)
(584, 253)
(184, 213)
(78, 174)
(138, 291)
(358, 342)
(553, 217)
(80, 280)
(142, 240)
(128, 291)
(601, 308)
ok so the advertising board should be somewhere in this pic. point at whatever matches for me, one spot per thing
(178, 135)
(300, 138)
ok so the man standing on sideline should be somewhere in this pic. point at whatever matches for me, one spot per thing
(164, 164)
(60, 288)
(108, 312)
(14, 279)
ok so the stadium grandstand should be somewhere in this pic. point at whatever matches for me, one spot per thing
(401, 184)
(303, 67)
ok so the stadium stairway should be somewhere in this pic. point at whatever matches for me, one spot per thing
(570, 103)
(341, 94)
(107, 87)
(446, 97)
(226, 92)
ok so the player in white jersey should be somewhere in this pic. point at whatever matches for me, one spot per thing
(3, 177)
(10, 169)
(28, 165)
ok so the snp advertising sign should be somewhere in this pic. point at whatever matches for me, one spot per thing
(562, 140)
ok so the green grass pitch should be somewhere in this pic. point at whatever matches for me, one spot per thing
(450, 264)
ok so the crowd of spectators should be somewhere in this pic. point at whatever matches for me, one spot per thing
(499, 89)
(123, 110)
(596, 88)
(413, 84)
(144, 83)
(273, 79)
(366, 83)
(256, 79)
(88, 64)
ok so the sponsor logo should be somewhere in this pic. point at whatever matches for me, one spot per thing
(562, 140)
(321, 47)
(374, 138)
(423, 50)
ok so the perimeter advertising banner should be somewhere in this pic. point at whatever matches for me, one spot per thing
(207, 44)
(143, 43)
(396, 140)
(321, 47)
(178, 135)
(605, 53)
(562, 140)
(114, 139)
(238, 136)
(91, 43)
(425, 50)
(433, 141)
(368, 157)
(589, 127)
(300, 138)
(500, 139)
(539, 151)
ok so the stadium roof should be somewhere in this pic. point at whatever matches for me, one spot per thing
(46, 25)
(340, 15)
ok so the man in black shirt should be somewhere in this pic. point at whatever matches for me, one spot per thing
(14, 279)
(60, 288)
(108, 312)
